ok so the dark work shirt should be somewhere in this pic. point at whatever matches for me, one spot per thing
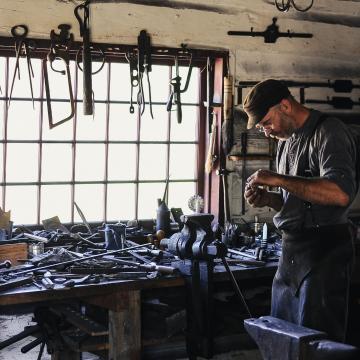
(331, 156)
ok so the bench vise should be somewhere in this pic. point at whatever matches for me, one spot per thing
(197, 248)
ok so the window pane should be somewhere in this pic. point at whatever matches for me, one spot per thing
(99, 83)
(191, 95)
(89, 127)
(120, 83)
(121, 202)
(60, 110)
(1, 163)
(122, 125)
(22, 85)
(55, 200)
(22, 201)
(187, 130)
(159, 83)
(152, 162)
(90, 199)
(148, 195)
(122, 162)
(23, 121)
(56, 162)
(58, 83)
(2, 78)
(22, 162)
(2, 104)
(90, 162)
(179, 195)
(182, 161)
(154, 129)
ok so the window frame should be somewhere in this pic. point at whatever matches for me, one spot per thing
(114, 54)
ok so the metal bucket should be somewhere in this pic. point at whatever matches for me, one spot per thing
(36, 249)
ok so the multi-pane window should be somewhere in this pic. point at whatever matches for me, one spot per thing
(113, 164)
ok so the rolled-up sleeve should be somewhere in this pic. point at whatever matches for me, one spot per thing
(337, 155)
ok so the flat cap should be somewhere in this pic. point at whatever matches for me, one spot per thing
(262, 97)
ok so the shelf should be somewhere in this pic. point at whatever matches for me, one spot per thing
(250, 157)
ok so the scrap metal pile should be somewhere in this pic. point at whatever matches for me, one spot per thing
(62, 258)
(71, 259)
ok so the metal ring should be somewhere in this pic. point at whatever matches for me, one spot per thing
(284, 6)
(19, 31)
(101, 66)
(304, 9)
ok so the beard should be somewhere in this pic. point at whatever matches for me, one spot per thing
(287, 127)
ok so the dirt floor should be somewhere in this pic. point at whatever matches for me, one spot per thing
(11, 325)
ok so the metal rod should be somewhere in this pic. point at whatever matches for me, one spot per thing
(236, 286)
(70, 262)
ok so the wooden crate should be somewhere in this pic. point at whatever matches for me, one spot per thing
(13, 252)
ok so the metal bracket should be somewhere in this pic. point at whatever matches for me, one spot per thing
(271, 34)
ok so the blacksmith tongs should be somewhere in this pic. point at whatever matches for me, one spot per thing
(175, 96)
(19, 32)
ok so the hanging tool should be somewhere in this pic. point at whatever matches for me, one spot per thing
(341, 85)
(134, 79)
(244, 139)
(59, 50)
(211, 156)
(271, 34)
(86, 56)
(209, 91)
(227, 126)
(224, 173)
(338, 102)
(175, 95)
(19, 32)
(144, 66)
(285, 5)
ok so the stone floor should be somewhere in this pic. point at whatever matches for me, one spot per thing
(11, 325)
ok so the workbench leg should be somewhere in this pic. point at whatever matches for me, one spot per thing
(66, 355)
(125, 330)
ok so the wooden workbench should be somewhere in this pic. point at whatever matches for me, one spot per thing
(122, 299)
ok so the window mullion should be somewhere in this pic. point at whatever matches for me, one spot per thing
(41, 117)
(137, 163)
(168, 136)
(74, 144)
(6, 112)
(106, 175)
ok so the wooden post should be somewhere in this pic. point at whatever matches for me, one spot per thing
(125, 328)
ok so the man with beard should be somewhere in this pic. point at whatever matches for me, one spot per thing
(316, 178)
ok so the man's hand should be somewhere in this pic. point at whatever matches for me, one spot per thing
(259, 197)
(255, 196)
(263, 177)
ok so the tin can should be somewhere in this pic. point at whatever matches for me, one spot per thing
(36, 249)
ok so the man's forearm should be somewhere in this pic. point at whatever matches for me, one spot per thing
(275, 200)
(314, 190)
